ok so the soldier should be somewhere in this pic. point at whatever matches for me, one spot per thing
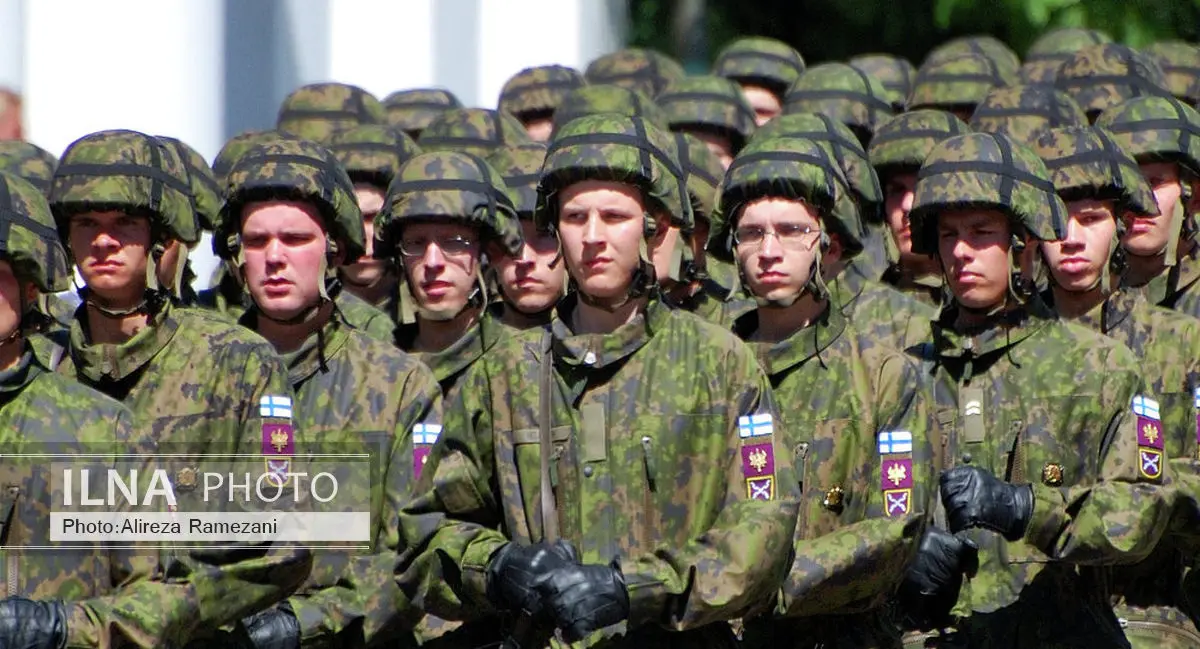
(532, 282)
(956, 85)
(892, 72)
(852, 411)
(1052, 49)
(318, 110)
(291, 212)
(1005, 60)
(1102, 76)
(533, 94)
(712, 109)
(412, 110)
(649, 441)
(844, 93)
(1103, 188)
(765, 68)
(477, 131)
(371, 155)
(1180, 61)
(596, 98)
(444, 214)
(646, 71)
(174, 271)
(1012, 418)
(194, 382)
(1163, 135)
(1022, 112)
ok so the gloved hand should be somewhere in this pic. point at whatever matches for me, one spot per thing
(274, 628)
(514, 570)
(29, 624)
(975, 498)
(584, 598)
(930, 586)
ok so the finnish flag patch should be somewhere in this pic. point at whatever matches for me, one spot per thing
(1145, 407)
(426, 433)
(755, 425)
(895, 441)
(275, 406)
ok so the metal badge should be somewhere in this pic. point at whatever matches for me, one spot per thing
(1052, 474)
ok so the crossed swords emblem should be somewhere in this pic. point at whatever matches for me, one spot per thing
(897, 502)
(760, 490)
(1150, 463)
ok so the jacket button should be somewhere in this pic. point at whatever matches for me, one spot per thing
(588, 471)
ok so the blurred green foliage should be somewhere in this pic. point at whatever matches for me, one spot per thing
(824, 30)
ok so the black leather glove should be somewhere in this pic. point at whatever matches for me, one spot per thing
(585, 598)
(931, 584)
(29, 624)
(975, 498)
(514, 569)
(274, 628)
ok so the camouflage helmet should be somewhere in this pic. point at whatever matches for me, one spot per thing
(1061, 43)
(372, 153)
(1181, 63)
(448, 187)
(520, 167)
(956, 83)
(647, 71)
(412, 110)
(894, 73)
(844, 93)
(848, 153)
(991, 47)
(316, 111)
(29, 162)
(709, 103)
(760, 61)
(478, 131)
(235, 147)
(538, 91)
(1024, 112)
(790, 168)
(703, 173)
(1087, 162)
(292, 169)
(902, 143)
(127, 171)
(984, 170)
(596, 99)
(29, 240)
(621, 149)
(1039, 72)
(1102, 76)
(1156, 128)
(205, 190)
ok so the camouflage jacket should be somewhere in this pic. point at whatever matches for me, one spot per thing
(665, 459)
(722, 275)
(364, 317)
(1067, 426)
(197, 384)
(929, 290)
(450, 364)
(708, 303)
(1178, 288)
(226, 296)
(857, 418)
(891, 317)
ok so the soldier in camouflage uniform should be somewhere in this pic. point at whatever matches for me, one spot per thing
(193, 381)
(595, 99)
(1022, 112)
(1022, 398)
(713, 109)
(647, 71)
(1101, 184)
(853, 412)
(892, 72)
(533, 94)
(765, 68)
(289, 218)
(318, 110)
(444, 214)
(531, 283)
(1163, 135)
(649, 444)
(1102, 76)
(372, 155)
(1006, 60)
(477, 131)
(956, 85)
(1180, 61)
(412, 110)
(1052, 49)
(844, 93)
(174, 271)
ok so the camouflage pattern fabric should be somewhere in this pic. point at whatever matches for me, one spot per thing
(957, 83)
(895, 319)
(1022, 112)
(226, 297)
(904, 141)
(412, 110)
(1039, 72)
(318, 110)
(646, 71)
(205, 190)
(718, 301)
(1089, 159)
(538, 90)
(233, 149)
(373, 154)
(1181, 63)
(991, 47)
(844, 93)
(450, 365)
(29, 241)
(894, 73)
(595, 99)
(686, 484)
(362, 316)
(477, 131)
(28, 161)
(757, 60)
(710, 103)
(520, 166)
(703, 174)
(1060, 43)
(1103, 76)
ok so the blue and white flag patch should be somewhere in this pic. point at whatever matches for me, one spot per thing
(895, 441)
(755, 425)
(275, 406)
(1145, 407)
(426, 433)
(1197, 395)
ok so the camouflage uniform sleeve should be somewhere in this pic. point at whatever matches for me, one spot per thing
(856, 567)
(368, 599)
(736, 566)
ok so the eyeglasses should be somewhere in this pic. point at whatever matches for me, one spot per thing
(453, 246)
(790, 235)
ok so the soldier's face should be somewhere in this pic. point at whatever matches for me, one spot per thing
(777, 245)
(719, 145)
(1077, 260)
(539, 128)
(534, 280)
(1147, 236)
(10, 299)
(442, 274)
(765, 103)
(601, 225)
(898, 201)
(973, 248)
(112, 251)
(283, 244)
(366, 270)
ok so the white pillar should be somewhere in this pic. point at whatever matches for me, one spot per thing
(12, 45)
(382, 45)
